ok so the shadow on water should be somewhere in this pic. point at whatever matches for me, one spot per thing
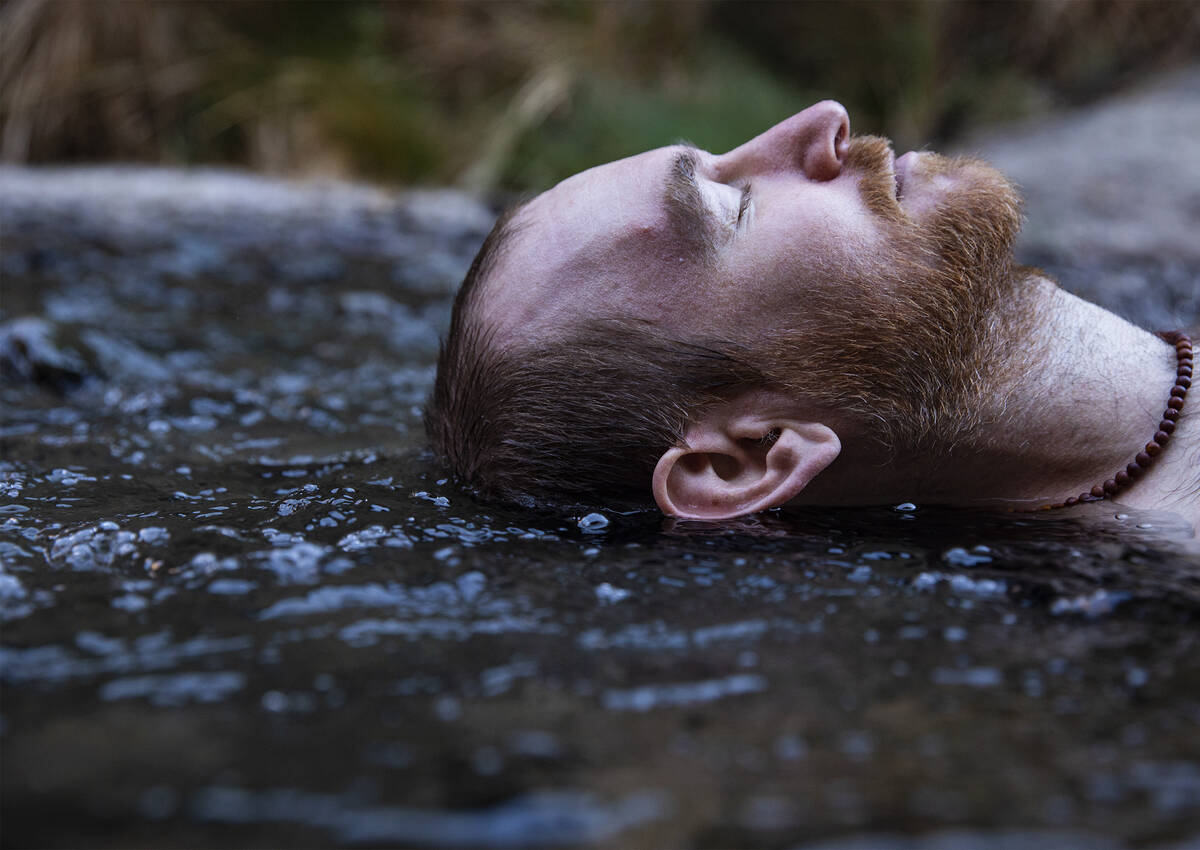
(241, 607)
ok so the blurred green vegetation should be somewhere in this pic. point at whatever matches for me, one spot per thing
(513, 96)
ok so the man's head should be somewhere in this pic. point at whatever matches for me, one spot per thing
(708, 329)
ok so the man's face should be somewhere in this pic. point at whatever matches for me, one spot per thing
(792, 244)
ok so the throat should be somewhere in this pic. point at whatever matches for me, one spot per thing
(1088, 408)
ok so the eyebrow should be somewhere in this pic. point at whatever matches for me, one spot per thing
(691, 216)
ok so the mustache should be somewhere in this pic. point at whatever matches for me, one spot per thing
(871, 157)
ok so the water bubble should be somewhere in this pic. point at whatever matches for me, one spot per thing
(857, 745)
(790, 746)
(859, 575)
(609, 594)
(960, 557)
(447, 709)
(976, 677)
(535, 743)
(593, 523)
(487, 761)
(906, 507)
(471, 585)
(154, 535)
(130, 602)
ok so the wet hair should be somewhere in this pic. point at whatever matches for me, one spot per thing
(580, 418)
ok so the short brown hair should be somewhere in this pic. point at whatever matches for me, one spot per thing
(580, 418)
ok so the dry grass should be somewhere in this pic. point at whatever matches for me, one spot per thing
(476, 90)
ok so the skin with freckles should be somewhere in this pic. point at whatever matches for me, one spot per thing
(877, 342)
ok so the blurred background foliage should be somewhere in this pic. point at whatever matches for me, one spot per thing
(512, 96)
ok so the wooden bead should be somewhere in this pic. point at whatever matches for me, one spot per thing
(1166, 427)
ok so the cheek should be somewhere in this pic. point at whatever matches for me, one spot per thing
(824, 252)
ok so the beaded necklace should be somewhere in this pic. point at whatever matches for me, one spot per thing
(1166, 427)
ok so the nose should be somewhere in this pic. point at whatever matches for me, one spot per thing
(814, 141)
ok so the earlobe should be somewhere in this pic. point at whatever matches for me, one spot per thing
(730, 467)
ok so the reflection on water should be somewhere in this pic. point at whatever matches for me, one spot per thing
(241, 607)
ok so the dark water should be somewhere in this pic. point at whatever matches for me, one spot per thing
(241, 608)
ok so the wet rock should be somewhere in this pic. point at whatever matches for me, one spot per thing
(1112, 197)
(31, 350)
(191, 223)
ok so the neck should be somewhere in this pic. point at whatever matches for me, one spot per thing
(1072, 402)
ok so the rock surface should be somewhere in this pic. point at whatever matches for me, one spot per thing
(1112, 196)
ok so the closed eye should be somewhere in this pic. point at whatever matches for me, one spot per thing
(744, 205)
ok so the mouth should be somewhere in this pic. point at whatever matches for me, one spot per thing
(900, 168)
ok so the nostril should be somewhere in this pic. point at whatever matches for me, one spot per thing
(841, 140)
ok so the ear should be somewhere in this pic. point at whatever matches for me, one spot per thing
(731, 466)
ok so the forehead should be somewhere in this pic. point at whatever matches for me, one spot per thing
(588, 247)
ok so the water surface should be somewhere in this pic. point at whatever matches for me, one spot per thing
(241, 606)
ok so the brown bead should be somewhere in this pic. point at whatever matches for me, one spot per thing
(1178, 391)
(1153, 449)
(1072, 500)
(1134, 469)
(1110, 487)
(1167, 425)
(1098, 492)
(1122, 478)
(1183, 381)
(1171, 414)
(1144, 460)
(1184, 371)
(1175, 403)
(1161, 437)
